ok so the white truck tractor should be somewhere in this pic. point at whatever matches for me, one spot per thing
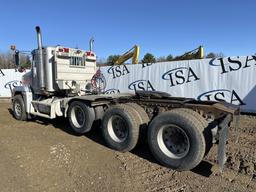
(179, 131)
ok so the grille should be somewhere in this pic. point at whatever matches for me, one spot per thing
(77, 61)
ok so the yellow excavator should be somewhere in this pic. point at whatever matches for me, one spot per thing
(197, 53)
(132, 53)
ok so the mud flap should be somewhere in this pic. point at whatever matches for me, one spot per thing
(237, 121)
(223, 133)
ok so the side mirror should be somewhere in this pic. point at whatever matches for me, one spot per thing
(16, 55)
(17, 58)
(13, 47)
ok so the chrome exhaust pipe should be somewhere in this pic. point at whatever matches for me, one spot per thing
(40, 67)
(39, 37)
(91, 44)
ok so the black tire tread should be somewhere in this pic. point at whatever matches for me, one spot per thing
(88, 124)
(144, 120)
(197, 125)
(205, 127)
(135, 131)
(195, 114)
(140, 111)
(19, 98)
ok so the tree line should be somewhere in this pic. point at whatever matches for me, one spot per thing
(7, 60)
(150, 58)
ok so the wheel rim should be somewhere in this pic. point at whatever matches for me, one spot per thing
(77, 116)
(117, 128)
(173, 141)
(17, 108)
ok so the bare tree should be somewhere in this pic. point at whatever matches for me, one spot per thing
(7, 61)
(161, 59)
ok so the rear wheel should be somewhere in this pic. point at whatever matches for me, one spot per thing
(141, 112)
(19, 110)
(81, 117)
(206, 128)
(144, 120)
(120, 127)
(176, 140)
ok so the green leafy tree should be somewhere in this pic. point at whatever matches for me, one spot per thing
(214, 55)
(169, 57)
(148, 58)
(112, 59)
(211, 55)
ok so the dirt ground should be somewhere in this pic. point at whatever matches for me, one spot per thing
(44, 155)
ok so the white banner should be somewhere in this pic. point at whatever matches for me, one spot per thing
(232, 79)
(9, 78)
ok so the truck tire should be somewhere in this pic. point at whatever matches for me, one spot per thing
(120, 127)
(205, 125)
(141, 112)
(176, 140)
(19, 111)
(81, 117)
(144, 121)
(99, 112)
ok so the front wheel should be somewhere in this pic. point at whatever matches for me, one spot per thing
(19, 111)
(176, 140)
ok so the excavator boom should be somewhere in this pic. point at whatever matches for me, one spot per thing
(132, 53)
(197, 53)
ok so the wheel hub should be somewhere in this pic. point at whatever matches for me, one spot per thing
(117, 128)
(77, 116)
(173, 141)
(17, 108)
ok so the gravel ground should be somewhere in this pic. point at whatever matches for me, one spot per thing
(44, 155)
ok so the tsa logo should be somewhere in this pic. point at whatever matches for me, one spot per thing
(180, 75)
(112, 91)
(142, 85)
(11, 84)
(230, 64)
(98, 81)
(118, 71)
(221, 95)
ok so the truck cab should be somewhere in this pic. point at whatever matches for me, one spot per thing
(57, 72)
(64, 69)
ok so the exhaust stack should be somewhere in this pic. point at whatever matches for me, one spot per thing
(40, 67)
(91, 44)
